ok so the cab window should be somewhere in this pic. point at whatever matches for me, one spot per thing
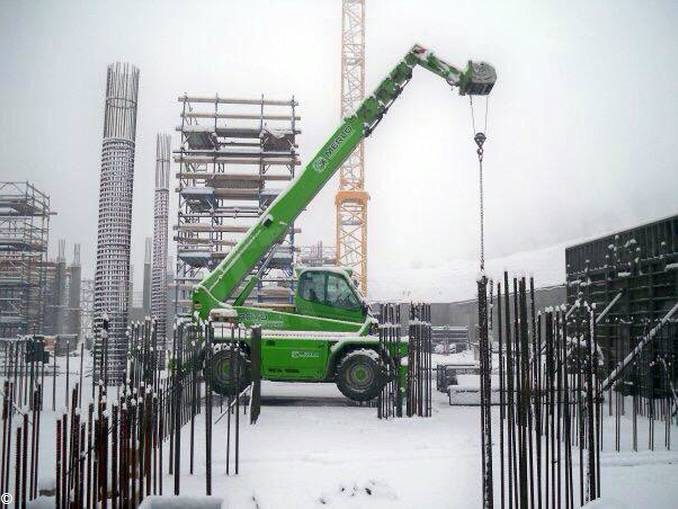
(312, 286)
(340, 294)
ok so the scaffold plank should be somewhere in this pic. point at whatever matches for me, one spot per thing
(228, 100)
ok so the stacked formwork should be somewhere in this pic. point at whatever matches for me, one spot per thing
(159, 267)
(112, 276)
(24, 235)
(233, 152)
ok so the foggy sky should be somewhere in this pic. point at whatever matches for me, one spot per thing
(581, 131)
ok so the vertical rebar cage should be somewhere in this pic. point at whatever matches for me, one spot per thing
(160, 224)
(111, 282)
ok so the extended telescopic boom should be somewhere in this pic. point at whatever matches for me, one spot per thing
(219, 285)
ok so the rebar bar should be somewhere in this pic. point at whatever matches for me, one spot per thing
(485, 352)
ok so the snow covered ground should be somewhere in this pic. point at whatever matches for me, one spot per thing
(311, 448)
(341, 456)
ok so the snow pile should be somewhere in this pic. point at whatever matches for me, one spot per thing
(605, 503)
(468, 395)
(182, 502)
(42, 503)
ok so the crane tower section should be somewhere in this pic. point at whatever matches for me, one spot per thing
(351, 198)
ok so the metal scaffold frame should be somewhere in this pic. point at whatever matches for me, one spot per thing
(317, 255)
(231, 151)
(351, 198)
(112, 276)
(24, 237)
(160, 228)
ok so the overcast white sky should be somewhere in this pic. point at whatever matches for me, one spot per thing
(581, 131)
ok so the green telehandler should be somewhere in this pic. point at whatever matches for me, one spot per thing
(328, 334)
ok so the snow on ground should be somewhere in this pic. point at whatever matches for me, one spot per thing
(342, 456)
(339, 456)
(311, 448)
(464, 357)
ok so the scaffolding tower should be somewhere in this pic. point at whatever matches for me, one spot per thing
(233, 152)
(317, 255)
(112, 275)
(24, 236)
(351, 198)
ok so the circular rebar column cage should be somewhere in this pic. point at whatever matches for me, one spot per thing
(111, 282)
(160, 225)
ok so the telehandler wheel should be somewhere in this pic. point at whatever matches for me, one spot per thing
(219, 371)
(361, 375)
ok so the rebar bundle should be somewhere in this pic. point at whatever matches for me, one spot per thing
(419, 372)
(390, 400)
(408, 372)
(117, 452)
(485, 351)
(549, 401)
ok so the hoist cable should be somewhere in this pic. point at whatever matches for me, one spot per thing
(479, 138)
(473, 117)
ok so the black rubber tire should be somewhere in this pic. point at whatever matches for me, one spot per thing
(361, 375)
(219, 370)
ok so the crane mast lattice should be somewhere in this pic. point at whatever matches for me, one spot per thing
(351, 198)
